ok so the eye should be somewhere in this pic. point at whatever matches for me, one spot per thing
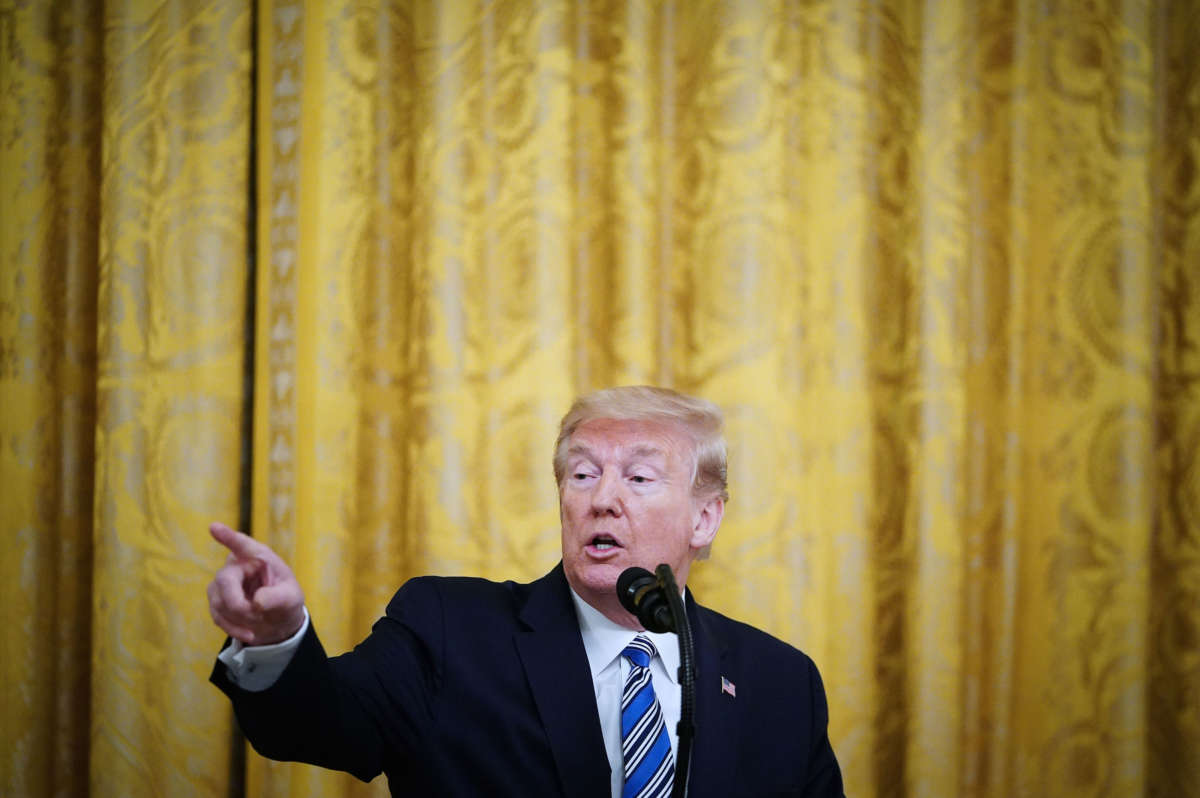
(639, 479)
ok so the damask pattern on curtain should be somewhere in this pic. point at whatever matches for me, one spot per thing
(940, 264)
(125, 169)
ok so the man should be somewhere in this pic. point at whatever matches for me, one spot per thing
(468, 687)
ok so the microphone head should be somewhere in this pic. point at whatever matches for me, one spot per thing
(639, 592)
(630, 583)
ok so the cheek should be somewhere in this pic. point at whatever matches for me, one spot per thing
(571, 509)
(665, 525)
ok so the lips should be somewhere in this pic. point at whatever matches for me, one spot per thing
(602, 544)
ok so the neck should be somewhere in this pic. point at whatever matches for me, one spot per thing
(610, 607)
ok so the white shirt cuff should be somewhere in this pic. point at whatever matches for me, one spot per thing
(255, 668)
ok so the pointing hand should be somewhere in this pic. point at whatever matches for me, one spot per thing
(255, 597)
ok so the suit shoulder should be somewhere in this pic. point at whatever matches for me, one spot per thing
(455, 593)
(743, 639)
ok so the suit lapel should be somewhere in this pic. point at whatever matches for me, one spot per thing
(714, 750)
(556, 666)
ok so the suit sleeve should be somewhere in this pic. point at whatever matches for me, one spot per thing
(824, 778)
(356, 711)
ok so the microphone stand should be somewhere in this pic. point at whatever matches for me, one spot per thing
(686, 728)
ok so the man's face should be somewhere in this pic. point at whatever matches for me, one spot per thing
(626, 500)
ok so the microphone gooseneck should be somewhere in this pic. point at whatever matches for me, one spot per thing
(657, 604)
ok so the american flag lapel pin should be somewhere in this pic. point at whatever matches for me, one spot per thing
(727, 687)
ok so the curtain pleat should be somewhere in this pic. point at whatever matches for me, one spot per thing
(169, 392)
(48, 213)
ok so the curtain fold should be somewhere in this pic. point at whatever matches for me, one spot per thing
(939, 263)
(125, 187)
(49, 200)
(170, 334)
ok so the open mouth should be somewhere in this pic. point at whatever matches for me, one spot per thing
(603, 543)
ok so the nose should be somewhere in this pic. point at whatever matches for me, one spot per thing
(606, 498)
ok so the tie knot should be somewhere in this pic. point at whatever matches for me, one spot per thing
(640, 651)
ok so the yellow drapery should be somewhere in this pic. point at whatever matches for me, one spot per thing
(939, 263)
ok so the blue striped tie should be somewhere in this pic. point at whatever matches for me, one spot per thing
(649, 766)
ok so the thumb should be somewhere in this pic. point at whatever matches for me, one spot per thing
(279, 597)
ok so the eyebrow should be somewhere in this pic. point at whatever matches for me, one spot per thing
(648, 451)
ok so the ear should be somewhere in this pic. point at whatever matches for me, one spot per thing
(707, 518)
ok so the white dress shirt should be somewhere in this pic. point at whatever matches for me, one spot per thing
(256, 668)
(604, 641)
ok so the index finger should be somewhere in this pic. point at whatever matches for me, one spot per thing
(241, 545)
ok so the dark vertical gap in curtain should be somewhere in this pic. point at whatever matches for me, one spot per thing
(1163, 431)
(237, 741)
(890, 340)
(1168, 761)
(75, 311)
(90, 398)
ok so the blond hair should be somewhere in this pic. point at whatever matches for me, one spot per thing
(699, 418)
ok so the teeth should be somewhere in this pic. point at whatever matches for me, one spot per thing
(604, 546)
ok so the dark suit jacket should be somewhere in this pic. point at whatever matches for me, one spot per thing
(468, 687)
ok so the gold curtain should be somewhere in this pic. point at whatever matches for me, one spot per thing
(940, 263)
(125, 169)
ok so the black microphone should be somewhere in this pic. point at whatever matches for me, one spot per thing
(640, 592)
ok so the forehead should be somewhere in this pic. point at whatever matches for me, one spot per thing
(630, 437)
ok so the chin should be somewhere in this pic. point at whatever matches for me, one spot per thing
(600, 578)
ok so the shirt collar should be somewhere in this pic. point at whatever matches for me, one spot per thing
(604, 640)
